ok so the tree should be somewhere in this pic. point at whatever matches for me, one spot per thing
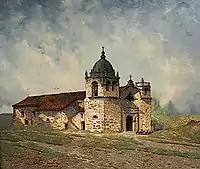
(156, 107)
(170, 108)
(193, 109)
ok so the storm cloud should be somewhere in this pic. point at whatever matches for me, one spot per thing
(46, 46)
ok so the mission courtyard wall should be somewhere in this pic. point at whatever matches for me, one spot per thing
(66, 118)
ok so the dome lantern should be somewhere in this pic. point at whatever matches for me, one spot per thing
(103, 67)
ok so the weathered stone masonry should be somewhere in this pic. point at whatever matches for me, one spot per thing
(104, 105)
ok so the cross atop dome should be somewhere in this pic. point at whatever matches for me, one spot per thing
(130, 82)
(103, 53)
(130, 77)
(103, 68)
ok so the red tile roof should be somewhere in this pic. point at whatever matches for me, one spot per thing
(51, 101)
(54, 101)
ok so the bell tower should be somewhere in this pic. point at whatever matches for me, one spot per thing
(102, 97)
(145, 105)
(102, 81)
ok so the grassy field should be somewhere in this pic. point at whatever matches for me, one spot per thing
(43, 149)
(176, 147)
(175, 121)
(188, 133)
(5, 121)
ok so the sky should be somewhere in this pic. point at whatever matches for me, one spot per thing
(46, 46)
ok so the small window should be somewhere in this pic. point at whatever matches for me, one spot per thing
(82, 125)
(95, 117)
(145, 91)
(48, 120)
(94, 88)
(26, 121)
(34, 114)
(114, 84)
(66, 125)
(22, 113)
(107, 85)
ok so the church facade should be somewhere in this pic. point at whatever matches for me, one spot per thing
(103, 106)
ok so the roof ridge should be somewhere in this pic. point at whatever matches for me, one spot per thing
(20, 101)
(51, 94)
(55, 100)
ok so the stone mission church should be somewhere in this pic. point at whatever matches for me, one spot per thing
(103, 106)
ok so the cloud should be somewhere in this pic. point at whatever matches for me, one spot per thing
(47, 45)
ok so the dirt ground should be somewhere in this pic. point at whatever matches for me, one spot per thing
(85, 151)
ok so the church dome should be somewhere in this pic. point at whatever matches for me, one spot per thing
(103, 66)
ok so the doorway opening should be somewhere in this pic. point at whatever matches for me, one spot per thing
(22, 113)
(82, 125)
(129, 123)
(26, 121)
(66, 126)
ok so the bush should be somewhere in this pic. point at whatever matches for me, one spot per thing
(158, 125)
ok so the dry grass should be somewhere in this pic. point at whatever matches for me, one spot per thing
(75, 150)
(59, 149)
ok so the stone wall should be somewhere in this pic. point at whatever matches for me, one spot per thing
(88, 87)
(144, 105)
(68, 118)
(57, 121)
(94, 114)
(129, 109)
(141, 105)
(76, 120)
(71, 110)
(145, 113)
(23, 113)
(101, 88)
(102, 114)
(112, 114)
(111, 93)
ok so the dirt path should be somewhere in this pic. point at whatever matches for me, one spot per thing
(101, 158)
(167, 146)
(78, 155)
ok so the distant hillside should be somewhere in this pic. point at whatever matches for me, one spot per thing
(5, 121)
(189, 132)
(165, 121)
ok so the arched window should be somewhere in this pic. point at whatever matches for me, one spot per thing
(94, 88)
(145, 91)
(114, 84)
(107, 85)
